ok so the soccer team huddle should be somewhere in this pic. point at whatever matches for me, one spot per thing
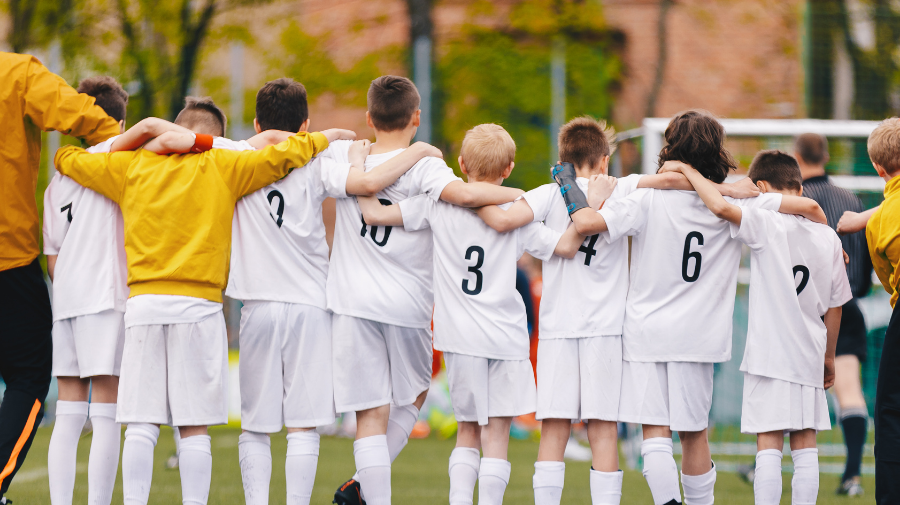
(145, 231)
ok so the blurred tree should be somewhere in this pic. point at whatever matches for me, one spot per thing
(501, 74)
(35, 23)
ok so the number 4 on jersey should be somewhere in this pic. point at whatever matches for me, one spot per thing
(588, 249)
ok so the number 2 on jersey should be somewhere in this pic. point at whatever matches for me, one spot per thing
(374, 231)
(475, 269)
(804, 277)
(688, 254)
(271, 196)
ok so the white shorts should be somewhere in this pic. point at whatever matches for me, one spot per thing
(776, 405)
(481, 388)
(285, 367)
(376, 363)
(675, 394)
(175, 374)
(579, 378)
(89, 345)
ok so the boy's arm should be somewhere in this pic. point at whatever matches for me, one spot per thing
(852, 222)
(360, 182)
(478, 194)
(516, 216)
(670, 177)
(172, 142)
(51, 265)
(143, 131)
(569, 243)
(711, 196)
(802, 206)
(587, 220)
(101, 172)
(832, 328)
(269, 138)
(375, 214)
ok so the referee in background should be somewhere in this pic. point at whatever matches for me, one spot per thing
(31, 99)
(811, 151)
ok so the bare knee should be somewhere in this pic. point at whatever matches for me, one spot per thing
(192, 431)
(73, 389)
(420, 400)
(651, 431)
(372, 422)
(104, 389)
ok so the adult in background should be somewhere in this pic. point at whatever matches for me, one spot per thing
(811, 151)
(31, 99)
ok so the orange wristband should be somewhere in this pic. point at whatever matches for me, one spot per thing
(202, 143)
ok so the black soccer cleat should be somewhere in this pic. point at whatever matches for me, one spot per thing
(5, 501)
(349, 494)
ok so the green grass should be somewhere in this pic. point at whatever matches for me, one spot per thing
(419, 475)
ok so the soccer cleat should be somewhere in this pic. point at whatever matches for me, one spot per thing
(850, 487)
(5, 501)
(349, 494)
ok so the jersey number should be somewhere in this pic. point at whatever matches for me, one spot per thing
(804, 277)
(271, 196)
(67, 207)
(475, 269)
(688, 254)
(373, 232)
(588, 249)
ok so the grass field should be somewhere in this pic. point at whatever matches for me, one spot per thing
(419, 475)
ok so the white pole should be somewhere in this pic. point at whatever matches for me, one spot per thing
(53, 138)
(557, 94)
(237, 91)
(422, 78)
(653, 140)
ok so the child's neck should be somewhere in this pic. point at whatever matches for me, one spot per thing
(586, 171)
(496, 182)
(386, 142)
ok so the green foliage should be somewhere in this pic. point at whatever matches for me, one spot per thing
(502, 75)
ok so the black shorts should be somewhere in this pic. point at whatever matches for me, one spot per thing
(852, 337)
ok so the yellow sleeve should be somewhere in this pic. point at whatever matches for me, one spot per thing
(877, 252)
(247, 171)
(54, 105)
(101, 172)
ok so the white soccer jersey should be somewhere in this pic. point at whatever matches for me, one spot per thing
(278, 248)
(684, 267)
(477, 309)
(384, 274)
(85, 230)
(583, 296)
(797, 273)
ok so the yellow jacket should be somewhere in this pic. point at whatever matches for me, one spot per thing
(883, 236)
(178, 209)
(34, 99)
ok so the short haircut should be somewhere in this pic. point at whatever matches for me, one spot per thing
(812, 148)
(884, 145)
(392, 100)
(777, 168)
(487, 150)
(202, 115)
(585, 141)
(281, 105)
(107, 93)
(695, 137)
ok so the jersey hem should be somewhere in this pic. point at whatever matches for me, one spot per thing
(282, 299)
(379, 319)
(484, 355)
(60, 316)
(549, 335)
(776, 376)
(676, 358)
(177, 288)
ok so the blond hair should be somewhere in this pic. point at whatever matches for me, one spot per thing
(487, 150)
(884, 145)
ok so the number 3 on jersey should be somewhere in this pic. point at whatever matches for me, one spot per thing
(475, 269)
(688, 254)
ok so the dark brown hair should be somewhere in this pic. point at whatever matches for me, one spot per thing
(392, 102)
(695, 137)
(778, 168)
(202, 115)
(107, 93)
(281, 105)
(812, 148)
(584, 141)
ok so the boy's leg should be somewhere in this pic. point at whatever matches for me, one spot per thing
(606, 478)
(465, 462)
(690, 400)
(550, 468)
(300, 464)
(373, 459)
(767, 477)
(660, 470)
(493, 476)
(854, 414)
(255, 458)
(103, 463)
(805, 484)
(71, 413)
(887, 416)
(195, 464)
(137, 462)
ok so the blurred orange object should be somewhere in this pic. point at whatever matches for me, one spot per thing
(420, 430)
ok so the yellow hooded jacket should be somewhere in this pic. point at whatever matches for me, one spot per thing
(883, 236)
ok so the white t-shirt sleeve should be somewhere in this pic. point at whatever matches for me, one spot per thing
(840, 284)
(416, 212)
(430, 176)
(538, 240)
(629, 184)
(767, 201)
(333, 176)
(540, 199)
(338, 151)
(56, 223)
(232, 145)
(626, 216)
(754, 228)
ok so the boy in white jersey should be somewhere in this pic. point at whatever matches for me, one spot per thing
(579, 364)
(798, 284)
(379, 288)
(479, 318)
(279, 263)
(682, 257)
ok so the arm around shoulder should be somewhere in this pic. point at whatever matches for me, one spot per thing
(517, 215)
(569, 243)
(802, 206)
(101, 172)
(478, 194)
(376, 214)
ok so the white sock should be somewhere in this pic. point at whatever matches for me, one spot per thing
(549, 478)
(805, 484)
(493, 477)
(464, 464)
(400, 425)
(300, 466)
(137, 462)
(660, 470)
(104, 459)
(699, 489)
(373, 466)
(767, 477)
(195, 466)
(70, 418)
(255, 456)
(606, 487)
